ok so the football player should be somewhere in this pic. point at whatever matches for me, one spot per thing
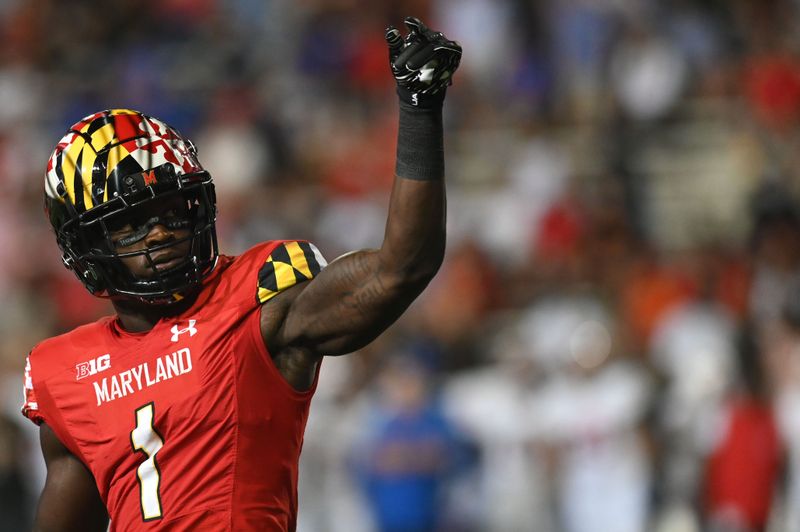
(186, 410)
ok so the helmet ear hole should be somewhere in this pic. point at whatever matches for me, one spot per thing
(85, 271)
(91, 280)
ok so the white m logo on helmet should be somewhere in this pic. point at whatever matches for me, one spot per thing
(191, 329)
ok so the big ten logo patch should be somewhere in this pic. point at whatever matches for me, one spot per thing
(93, 367)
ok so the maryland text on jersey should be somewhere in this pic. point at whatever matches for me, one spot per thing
(143, 376)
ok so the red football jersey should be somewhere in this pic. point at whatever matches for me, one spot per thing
(188, 426)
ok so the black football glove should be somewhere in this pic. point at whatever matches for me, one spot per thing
(423, 63)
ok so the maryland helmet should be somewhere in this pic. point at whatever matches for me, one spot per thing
(107, 168)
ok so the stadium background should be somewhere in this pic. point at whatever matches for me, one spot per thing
(611, 343)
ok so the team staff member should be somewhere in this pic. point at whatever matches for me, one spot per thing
(186, 410)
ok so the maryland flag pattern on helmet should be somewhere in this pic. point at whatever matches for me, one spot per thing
(288, 264)
(116, 142)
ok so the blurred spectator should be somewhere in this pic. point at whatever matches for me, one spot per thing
(483, 27)
(771, 80)
(693, 349)
(775, 251)
(742, 471)
(648, 73)
(493, 403)
(452, 312)
(409, 452)
(592, 423)
(653, 288)
(780, 342)
(582, 34)
(590, 419)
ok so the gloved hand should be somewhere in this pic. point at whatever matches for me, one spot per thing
(423, 63)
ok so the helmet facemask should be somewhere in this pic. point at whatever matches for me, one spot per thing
(95, 248)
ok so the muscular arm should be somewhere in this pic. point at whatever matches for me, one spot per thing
(360, 294)
(69, 500)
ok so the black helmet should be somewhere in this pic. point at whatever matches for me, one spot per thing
(105, 169)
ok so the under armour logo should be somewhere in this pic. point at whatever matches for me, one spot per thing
(426, 72)
(191, 329)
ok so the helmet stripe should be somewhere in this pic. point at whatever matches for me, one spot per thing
(86, 125)
(103, 137)
(79, 200)
(115, 155)
(94, 182)
(117, 112)
(88, 156)
(53, 184)
(68, 165)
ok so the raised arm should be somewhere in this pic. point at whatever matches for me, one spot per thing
(69, 501)
(360, 294)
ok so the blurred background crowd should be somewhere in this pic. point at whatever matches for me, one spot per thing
(613, 342)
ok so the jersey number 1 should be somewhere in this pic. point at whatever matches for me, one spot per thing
(144, 438)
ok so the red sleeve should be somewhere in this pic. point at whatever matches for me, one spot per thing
(30, 406)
